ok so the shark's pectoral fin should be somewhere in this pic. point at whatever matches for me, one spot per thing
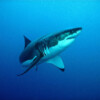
(57, 61)
(34, 62)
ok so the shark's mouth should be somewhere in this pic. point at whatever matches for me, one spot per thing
(71, 37)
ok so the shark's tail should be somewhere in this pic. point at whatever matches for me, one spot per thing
(34, 62)
(38, 55)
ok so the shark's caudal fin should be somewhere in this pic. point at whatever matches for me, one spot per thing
(57, 61)
(34, 62)
(27, 41)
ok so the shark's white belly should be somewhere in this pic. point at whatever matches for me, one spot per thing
(57, 49)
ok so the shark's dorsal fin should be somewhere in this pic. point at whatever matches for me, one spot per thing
(27, 41)
(57, 61)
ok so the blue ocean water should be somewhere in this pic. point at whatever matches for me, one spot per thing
(35, 18)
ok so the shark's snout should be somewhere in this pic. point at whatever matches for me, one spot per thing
(78, 30)
(74, 33)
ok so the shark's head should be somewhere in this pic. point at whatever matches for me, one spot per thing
(68, 36)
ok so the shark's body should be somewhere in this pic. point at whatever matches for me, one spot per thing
(47, 49)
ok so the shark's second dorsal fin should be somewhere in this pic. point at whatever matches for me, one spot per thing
(27, 41)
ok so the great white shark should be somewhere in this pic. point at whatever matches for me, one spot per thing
(47, 49)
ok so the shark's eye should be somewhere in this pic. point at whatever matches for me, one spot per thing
(71, 32)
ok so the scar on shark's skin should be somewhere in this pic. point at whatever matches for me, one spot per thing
(47, 49)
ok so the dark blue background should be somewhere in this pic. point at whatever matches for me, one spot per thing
(35, 18)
